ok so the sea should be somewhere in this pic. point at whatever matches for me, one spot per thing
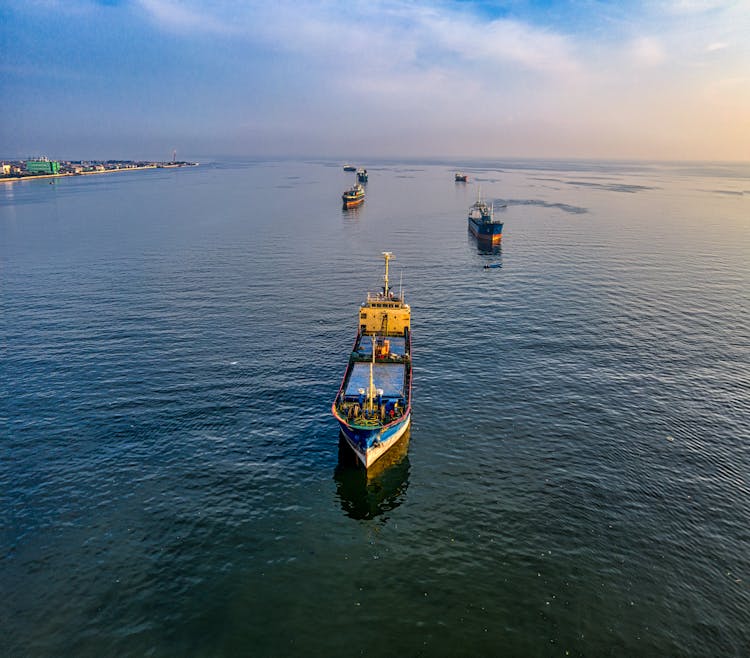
(576, 480)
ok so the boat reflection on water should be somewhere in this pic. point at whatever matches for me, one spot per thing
(484, 249)
(351, 213)
(490, 251)
(368, 493)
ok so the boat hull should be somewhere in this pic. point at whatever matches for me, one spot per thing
(371, 431)
(489, 233)
(353, 203)
(353, 196)
(371, 444)
(373, 405)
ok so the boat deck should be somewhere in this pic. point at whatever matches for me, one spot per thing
(397, 346)
(386, 376)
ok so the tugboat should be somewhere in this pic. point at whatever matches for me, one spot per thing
(361, 175)
(353, 196)
(461, 177)
(483, 225)
(373, 405)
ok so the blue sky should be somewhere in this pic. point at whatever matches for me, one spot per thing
(138, 78)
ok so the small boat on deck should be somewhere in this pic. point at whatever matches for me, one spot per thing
(373, 405)
(353, 196)
(461, 177)
(483, 225)
(349, 167)
(361, 175)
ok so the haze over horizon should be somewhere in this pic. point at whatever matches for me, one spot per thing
(430, 79)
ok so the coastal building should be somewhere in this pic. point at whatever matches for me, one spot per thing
(43, 166)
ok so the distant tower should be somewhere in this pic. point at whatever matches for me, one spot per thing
(174, 155)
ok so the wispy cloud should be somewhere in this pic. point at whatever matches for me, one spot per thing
(696, 6)
(429, 59)
(501, 42)
(378, 30)
(181, 17)
(647, 51)
(443, 74)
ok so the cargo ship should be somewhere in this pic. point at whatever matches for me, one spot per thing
(353, 196)
(373, 405)
(483, 225)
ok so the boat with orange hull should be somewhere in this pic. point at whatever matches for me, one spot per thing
(483, 225)
(373, 405)
(354, 196)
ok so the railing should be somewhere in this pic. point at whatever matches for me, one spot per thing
(389, 302)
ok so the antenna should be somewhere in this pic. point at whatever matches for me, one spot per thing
(174, 155)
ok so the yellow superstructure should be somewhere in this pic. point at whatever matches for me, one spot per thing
(384, 313)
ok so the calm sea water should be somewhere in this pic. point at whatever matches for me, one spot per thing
(577, 477)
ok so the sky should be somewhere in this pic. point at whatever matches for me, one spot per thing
(659, 80)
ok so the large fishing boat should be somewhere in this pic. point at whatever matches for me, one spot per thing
(349, 167)
(361, 175)
(483, 225)
(373, 405)
(353, 196)
(461, 177)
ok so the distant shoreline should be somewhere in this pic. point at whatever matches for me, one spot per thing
(19, 179)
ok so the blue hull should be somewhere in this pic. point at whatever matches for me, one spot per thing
(370, 444)
(371, 427)
(489, 231)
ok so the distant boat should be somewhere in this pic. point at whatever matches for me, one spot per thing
(361, 175)
(349, 167)
(461, 177)
(373, 405)
(353, 196)
(483, 225)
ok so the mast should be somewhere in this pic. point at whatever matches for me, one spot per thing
(371, 388)
(387, 255)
